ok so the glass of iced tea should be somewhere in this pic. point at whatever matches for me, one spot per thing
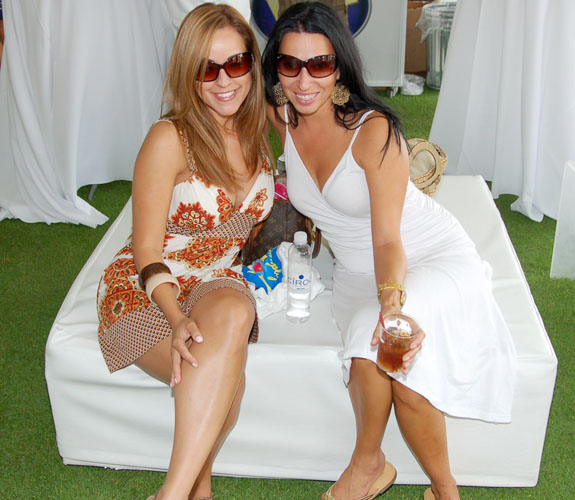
(396, 331)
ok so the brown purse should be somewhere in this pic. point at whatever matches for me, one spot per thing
(281, 225)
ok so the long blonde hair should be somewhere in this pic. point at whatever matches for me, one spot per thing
(191, 115)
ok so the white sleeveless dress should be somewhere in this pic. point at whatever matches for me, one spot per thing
(466, 367)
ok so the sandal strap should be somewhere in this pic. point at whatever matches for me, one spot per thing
(327, 495)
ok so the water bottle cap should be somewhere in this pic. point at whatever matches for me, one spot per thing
(300, 238)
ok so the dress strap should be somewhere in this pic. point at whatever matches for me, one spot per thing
(361, 120)
(186, 144)
(264, 156)
(189, 157)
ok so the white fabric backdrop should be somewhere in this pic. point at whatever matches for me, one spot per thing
(506, 109)
(179, 8)
(80, 84)
(563, 260)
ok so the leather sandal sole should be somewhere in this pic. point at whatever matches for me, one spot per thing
(381, 484)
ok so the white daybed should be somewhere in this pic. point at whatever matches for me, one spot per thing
(296, 419)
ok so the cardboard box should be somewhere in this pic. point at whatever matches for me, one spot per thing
(415, 51)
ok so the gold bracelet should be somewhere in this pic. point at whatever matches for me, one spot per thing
(392, 286)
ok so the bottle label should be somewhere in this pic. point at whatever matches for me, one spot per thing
(299, 282)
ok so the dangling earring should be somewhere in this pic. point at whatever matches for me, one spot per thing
(279, 95)
(340, 94)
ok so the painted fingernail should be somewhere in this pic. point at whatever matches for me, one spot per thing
(194, 364)
(199, 338)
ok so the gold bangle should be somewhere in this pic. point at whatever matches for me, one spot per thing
(392, 286)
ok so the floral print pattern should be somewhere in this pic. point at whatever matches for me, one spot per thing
(203, 237)
(228, 273)
(257, 206)
(202, 252)
(122, 296)
(192, 217)
(225, 207)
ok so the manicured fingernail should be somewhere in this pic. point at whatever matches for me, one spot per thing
(199, 338)
(194, 364)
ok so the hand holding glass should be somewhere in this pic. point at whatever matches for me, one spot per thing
(396, 332)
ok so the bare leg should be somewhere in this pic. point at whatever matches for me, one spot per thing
(370, 391)
(423, 427)
(203, 486)
(204, 397)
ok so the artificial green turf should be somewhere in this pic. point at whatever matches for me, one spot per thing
(39, 263)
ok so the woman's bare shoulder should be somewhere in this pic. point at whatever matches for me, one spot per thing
(375, 125)
(165, 132)
(163, 146)
(372, 138)
(164, 136)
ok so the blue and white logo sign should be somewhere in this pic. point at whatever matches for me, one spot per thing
(265, 14)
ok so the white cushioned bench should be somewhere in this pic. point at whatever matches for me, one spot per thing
(296, 419)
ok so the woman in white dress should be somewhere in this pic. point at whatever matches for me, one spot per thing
(347, 165)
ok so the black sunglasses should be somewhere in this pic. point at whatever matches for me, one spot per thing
(235, 66)
(318, 66)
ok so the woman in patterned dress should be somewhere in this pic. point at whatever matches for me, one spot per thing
(172, 301)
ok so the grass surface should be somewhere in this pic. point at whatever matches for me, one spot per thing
(39, 263)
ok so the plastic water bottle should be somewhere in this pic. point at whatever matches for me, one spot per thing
(299, 279)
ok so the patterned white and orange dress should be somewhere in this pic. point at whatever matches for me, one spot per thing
(204, 234)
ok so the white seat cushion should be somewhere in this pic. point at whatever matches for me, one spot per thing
(296, 419)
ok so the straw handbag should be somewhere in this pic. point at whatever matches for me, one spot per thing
(427, 161)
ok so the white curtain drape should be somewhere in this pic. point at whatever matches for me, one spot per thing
(506, 108)
(563, 260)
(80, 84)
(179, 8)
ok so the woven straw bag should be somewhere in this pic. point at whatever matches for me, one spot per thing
(427, 162)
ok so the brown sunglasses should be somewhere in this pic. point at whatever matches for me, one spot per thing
(235, 66)
(318, 66)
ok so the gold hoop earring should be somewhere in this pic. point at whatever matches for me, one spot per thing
(279, 96)
(340, 94)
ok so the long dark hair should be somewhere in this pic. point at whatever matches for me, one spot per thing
(316, 17)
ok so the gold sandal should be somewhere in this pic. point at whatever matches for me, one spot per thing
(381, 484)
